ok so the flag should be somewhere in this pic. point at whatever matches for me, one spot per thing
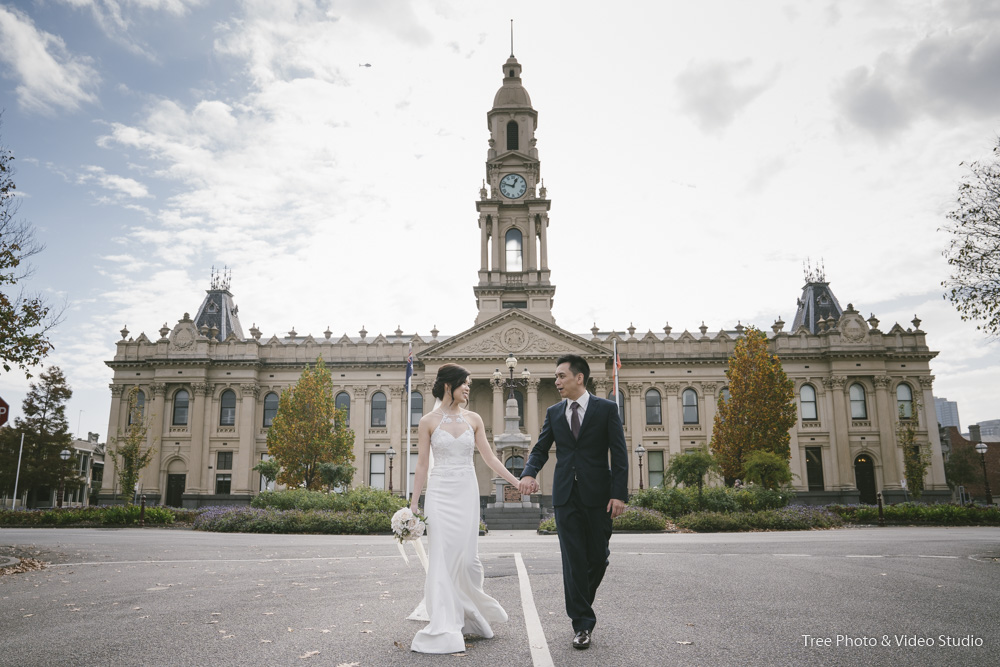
(409, 367)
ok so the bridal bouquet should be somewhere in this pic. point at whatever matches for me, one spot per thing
(407, 526)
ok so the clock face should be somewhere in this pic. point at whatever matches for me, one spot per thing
(512, 186)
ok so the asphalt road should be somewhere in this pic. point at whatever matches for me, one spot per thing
(865, 596)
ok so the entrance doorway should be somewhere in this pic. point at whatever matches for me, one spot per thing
(175, 489)
(864, 477)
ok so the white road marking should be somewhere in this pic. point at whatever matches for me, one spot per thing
(863, 556)
(937, 556)
(224, 560)
(540, 656)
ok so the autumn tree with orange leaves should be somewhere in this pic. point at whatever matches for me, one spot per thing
(308, 430)
(760, 410)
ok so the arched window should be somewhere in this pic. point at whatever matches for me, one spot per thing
(807, 403)
(270, 408)
(904, 401)
(512, 135)
(227, 411)
(859, 407)
(378, 410)
(343, 402)
(514, 249)
(689, 404)
(515, 464)
(180, 408)
(416, 408)
(653, 414)
(621, 404)
(138, 406)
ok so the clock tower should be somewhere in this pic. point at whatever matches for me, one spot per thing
(513, 210)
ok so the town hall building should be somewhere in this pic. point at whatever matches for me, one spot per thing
(212, 391)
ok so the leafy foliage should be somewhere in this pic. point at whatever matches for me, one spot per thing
(767, 469)
(676, 502)
(794, 517)
(25, 319)
(916, 456)
(973, 251)
(308, 430)
(944, 514)
(361, 499)
(337, 475)
(46, 434)
(271, 520)
(691, 468)
(760, 410)
(638, 519)
(117, 515)
(962, 467)
(130, 458)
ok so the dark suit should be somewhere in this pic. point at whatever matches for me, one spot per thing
(581, 489)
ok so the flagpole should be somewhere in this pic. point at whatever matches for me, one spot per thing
(614, 362)
(17, 477)
(409, 408)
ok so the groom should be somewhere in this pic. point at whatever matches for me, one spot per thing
(586, 494)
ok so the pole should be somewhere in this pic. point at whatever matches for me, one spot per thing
(409, 407)
(17, 477)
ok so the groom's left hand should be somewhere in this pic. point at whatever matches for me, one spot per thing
(615, 507)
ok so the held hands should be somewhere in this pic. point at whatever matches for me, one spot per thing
(615, 507)
(527, 486)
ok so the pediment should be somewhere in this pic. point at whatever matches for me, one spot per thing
(513, 332)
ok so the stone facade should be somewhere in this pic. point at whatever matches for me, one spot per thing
(211, 391)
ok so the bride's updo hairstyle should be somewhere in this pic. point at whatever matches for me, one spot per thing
(450, 374)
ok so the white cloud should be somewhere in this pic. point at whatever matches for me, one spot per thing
(121, 187)
(713, 94)
(50, 77)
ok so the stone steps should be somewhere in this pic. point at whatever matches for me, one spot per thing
(513, 518)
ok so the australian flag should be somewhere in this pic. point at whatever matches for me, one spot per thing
(409, 367)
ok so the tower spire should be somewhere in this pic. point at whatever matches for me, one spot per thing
(512, 38)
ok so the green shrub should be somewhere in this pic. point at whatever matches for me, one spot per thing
(115, 515)
(361, 499)
(548, 524)
(713, 522)
(943, 514)
(271, 520)
(671, 501)
(640, 518)
(794, 517)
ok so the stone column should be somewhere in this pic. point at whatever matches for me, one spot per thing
(532, 262)
(484, 235)
(936, 470)
(497, 242)
(498, 408)
(543, 244)
(891, 456)
(839, 437)
(709, 389)
(531, 412)
(637, 415)
(359, 423)
(155, 408)
(396, 419)
(211, 418)
(672, 417)
(196, 472)
(242, 467)
(114, 428)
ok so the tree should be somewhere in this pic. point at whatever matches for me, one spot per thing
(130, 458)
(962, 468)
(767, 469)
(916, 456)
(691, 468)
(268, 469)
(308, 430)
(760, 410)
(25, 319)
(46, 435)
(337, 476)
(974, 248)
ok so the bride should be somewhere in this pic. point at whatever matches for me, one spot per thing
(454, 601)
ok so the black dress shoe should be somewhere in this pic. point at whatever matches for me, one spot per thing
(582, 640)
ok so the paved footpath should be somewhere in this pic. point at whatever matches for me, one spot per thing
(863, 596)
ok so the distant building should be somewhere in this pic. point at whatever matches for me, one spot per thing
(947, 412)
(989, 429)
(212, 392)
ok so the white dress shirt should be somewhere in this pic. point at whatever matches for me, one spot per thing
(582, 401)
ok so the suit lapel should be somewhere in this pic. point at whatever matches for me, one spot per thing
(587, 416)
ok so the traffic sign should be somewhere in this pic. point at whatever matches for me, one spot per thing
(4, 412)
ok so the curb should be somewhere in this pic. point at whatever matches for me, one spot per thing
(9, 561)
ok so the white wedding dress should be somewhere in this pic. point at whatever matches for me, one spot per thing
(454, 601)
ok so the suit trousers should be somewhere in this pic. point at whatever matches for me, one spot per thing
(584, 533)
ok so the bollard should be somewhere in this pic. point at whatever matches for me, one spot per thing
(142, 511)
(881, 516)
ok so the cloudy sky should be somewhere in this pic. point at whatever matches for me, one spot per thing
(696, 154)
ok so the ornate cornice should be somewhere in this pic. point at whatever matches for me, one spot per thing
(116, 390)
(250, 389)
(882, 381)
(158, 388)
(926, 381)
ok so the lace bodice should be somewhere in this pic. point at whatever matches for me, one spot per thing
(452, 451)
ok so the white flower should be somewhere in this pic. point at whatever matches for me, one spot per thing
(406, 526)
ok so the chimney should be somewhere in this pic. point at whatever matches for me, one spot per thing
(974, 433)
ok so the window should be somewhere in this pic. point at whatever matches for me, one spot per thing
(376, 471)
(270, 408)
(378, 410)
(689, 404)
(512, 135)
(180, 408)
(859, 408)
(904, 401)
(416, 408)
(515, 464)
(513, 245)
(224, 461)
(725, 394)
(343, 402)
(227, 413)
(265, 483)
(814, 468)
(139, 406)
(807, 402)
(223, 484)
(621, 404)
(655, 468)
(653, 415)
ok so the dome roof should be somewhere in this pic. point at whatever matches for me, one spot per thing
(512, 94)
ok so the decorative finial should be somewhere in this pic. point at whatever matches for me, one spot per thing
(328, 333)
(362, 332)
(164, 330)
(739, 327)
(434, 332)
(255, 332)
(293, 333)
(873, 322)
(631, 330)
(398, 331)
(703, 329)
(667, 329)
(594, 330)
(124, 332)
(916, 323)
(778, 325)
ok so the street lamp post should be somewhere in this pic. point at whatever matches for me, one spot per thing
(981, 448)
(64, 455)
(640, 450)
(391, 454)
(500, 381)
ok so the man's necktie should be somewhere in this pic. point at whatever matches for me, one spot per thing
(574, 421)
